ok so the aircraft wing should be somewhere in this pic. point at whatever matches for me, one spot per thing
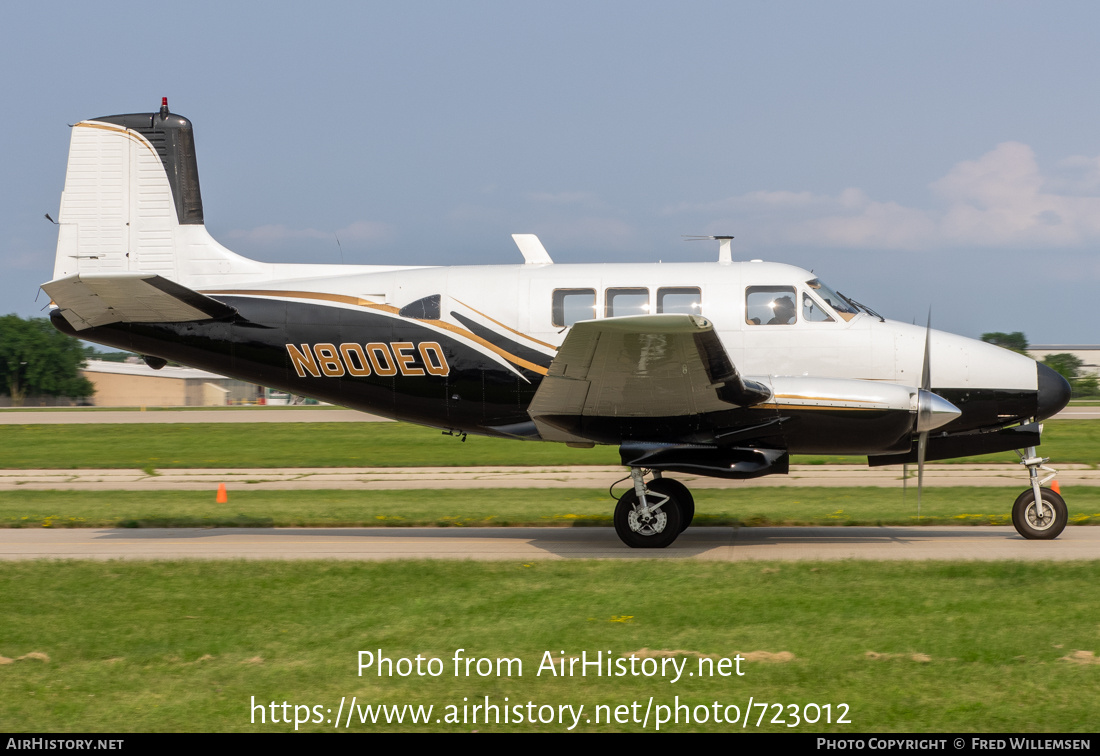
(98, 299)
(644, 366)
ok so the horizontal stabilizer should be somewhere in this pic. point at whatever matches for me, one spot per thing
(87, 300)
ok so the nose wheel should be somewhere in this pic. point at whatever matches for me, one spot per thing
(1042, 521)
(1039, 513)
(652, 517)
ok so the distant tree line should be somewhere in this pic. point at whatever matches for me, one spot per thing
(38, 360)
(1068, 365)
(1016, 341)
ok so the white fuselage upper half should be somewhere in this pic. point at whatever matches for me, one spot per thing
(773, 319)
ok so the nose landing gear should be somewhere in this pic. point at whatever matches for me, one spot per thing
(1038, 513)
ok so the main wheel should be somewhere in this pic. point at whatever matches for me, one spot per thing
(1043, 522)
(676, 490)
(655, 529)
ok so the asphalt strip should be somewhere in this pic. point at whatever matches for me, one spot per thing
(397, 478)
(979, 543)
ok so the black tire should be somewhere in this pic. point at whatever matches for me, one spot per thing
(678, 491)
(1050, 525)
(656, 533)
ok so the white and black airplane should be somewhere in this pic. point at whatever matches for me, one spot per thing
(722, 369)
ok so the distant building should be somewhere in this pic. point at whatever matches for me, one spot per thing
(125, 384)
(1089, 354)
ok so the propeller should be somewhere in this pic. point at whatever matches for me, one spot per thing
(905, 486)
(932, 410)
(925, 385)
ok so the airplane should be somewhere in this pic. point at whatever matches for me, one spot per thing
(720, 369)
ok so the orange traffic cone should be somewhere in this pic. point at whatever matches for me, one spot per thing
(1055, 487)
(223, 497)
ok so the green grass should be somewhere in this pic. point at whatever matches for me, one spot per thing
(500, 507)
(236, 445)
(185, 646)
(271, 445)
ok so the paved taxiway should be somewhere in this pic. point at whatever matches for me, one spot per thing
(529, 544)
(1078, 413)
(397, 478)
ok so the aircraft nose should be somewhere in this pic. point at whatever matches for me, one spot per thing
(1053, 392)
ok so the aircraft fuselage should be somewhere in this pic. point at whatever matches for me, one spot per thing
(466, 348)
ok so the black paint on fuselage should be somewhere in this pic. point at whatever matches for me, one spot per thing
(476, 395)
(480, 395)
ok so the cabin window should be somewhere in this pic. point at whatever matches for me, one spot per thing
(812, 311)
(620, 302)
(571, 305)
(770, 305)
(682, 299)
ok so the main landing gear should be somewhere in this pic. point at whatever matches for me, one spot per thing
(651, 517)
(1047, 518)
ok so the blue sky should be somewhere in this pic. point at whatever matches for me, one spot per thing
(935, 154)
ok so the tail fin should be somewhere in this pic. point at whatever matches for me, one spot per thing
(132, 204)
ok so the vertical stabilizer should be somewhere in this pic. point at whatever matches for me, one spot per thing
(132, 203)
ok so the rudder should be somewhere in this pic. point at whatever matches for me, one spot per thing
(132, 202)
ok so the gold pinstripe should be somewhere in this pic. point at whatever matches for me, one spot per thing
(346, 299)
(513, 330)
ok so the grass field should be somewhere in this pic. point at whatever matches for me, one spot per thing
(189, 646)
(173, 646)
(474, 507)
(237, 445)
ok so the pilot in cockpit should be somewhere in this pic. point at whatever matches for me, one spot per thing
(784, 310)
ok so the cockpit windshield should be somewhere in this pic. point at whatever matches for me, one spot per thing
(844, 308)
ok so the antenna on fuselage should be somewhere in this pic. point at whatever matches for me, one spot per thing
(724, 253)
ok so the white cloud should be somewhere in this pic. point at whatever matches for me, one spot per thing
(591, 232)
(363, 232)
(1001, 199)
(565, 198)
(468, 213)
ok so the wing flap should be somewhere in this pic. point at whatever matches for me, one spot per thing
(645, 366)
(87, 300)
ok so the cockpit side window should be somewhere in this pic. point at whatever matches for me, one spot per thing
(770, 305)
(813, 312)
(843, 307)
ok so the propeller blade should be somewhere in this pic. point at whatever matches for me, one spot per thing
(925, 384)
(904, 484)
(922, 441)
(926, 373)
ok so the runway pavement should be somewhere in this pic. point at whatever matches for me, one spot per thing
(1078, 413)
(396, 478)
(529, 544)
